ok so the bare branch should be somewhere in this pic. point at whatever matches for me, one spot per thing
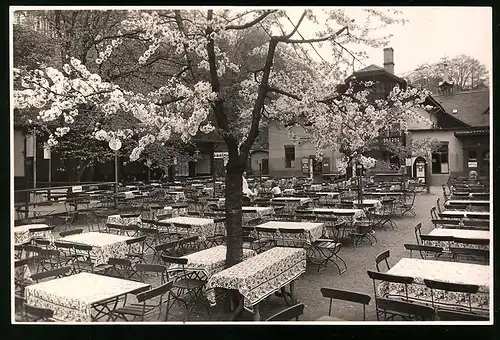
(314, 40)
(288, 94)
(296, 27)
(251, 23)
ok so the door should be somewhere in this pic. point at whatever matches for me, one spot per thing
(484, 163)
(265, 166)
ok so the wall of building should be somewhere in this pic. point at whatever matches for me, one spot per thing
(256, 159)
(414, 124)
(455, 153)
(18, 153)
(203, 164)
(278, 139)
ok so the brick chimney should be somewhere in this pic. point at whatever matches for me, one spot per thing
(389, 60)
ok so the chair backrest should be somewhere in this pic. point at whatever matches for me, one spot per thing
(175, 260)
(423, 249)
(434, 215)
(53, 273)
(130, 215)
(410, 309)
(451, 287)
(476, 241)
(143, 268)
(33, 313)
(166, 246)
(436, 238)
(48, 228)
(389, 277)
(418, 232)
(444, 222)
(115, 261)
(135, 240)
(383, 257)
(187, 240)
(288, 314)
(70, 232)
(155, 292)
(483, 254)
(438, 205)
(345, 295)
(448, 315)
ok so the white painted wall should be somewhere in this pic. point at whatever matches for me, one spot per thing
(19, 145)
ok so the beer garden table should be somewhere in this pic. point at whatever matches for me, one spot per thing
(82, 297)
(260, 276)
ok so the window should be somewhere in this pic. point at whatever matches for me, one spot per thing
(440, 160)
(289, 156)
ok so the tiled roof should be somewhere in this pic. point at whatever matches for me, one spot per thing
(371, 68)
(470, 106)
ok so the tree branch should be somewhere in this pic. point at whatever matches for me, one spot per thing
(251, 23)
(178, 19)
(288, 94)
(307, 41)
(296, 27)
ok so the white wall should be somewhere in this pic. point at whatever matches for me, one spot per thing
(422, 125)
(278, 138)
(256, 159)
(19, 145)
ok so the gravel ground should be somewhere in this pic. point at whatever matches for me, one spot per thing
(358, 260)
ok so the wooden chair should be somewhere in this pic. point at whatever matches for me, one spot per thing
(288, 314)
(471, 254)
(382, 257)
(418, 232)
(144, 269)
(70, 232)
(187, 286)
(408, 207)
(383, 277)
(343, 295)
(136, 249)
(451, 287)
(424, 250)
(438, 206)
(53, 274)
(445, 223)
(37, 314)
(448, 315)
(166, 249)
(408, 311)
(150, 304)
(434, 215)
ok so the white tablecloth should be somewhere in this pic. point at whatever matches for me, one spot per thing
(103, 245)
(358, 213)
(461, 233)
(464, 214)
(260, 276)
(71, 298)
(373, 203)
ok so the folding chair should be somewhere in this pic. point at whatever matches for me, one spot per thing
(143, 269)
(450, 287)
(219, 235)
(186, 289)
(70, 232)
(472, 254)
(390, 279)
(53, 274)
(36, 314)
(424, 250)
(288, 314)
(408, 311)
(267, 237)
(408, 207)
(136, 249)
(328, 250)
(381, 258)
(146, 307)
(448, 315)
(166, 249)
(343, 295)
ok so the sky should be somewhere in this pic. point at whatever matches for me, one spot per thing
(430, 34)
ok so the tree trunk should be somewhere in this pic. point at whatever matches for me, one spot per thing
(233, 205)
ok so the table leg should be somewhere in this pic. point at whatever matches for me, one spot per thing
(256, 312)
(238, 309)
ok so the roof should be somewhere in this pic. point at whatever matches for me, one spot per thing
(375, 69)
(259, 150)
(474, 132)
(472, 107)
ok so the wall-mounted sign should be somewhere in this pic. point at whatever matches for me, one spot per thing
(30, 141)
(46, 151)
(77, 188)
(472, 164)
(219, 155)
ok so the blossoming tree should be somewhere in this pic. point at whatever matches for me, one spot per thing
(201, 95)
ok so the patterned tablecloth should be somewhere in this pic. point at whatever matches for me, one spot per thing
(466, 202)
(116, 219)
(260, 276)
(464, 214)
(459, 233)
(291, 203)
(103, 245)
(453, 272)
(289, 191)
(209, 261)
(329, 196)
(23, 235)
(202, 227)
(71, 297)
(358, 213)
(315, 229)
(250, 213)
(177, 195)
(169, 210)
(373, 203)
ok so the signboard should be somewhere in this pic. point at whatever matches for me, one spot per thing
(305, 165)
(219, 155)
(408, 162)
(420, 171)
(77, 188)
(46, 151)
(30, 141)
(115, 144)
(472, 165)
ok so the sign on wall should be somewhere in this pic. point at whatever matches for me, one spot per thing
(472, 164)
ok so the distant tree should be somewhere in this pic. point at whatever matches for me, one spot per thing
(466, 72)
